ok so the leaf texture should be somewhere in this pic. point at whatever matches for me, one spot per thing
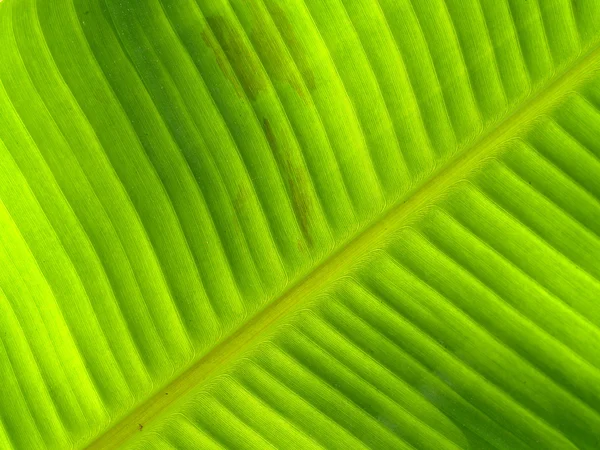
(300, 223)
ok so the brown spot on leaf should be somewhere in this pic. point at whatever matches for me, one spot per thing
(140, 426)
(241, 197)
(296, 86)
(273, 51)
(294, 177)
(239, 53)
(221, 61)
(297, 49)
(269, 134)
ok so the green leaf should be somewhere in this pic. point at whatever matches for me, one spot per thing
(300, 224)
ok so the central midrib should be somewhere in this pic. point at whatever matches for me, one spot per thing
(346, 258)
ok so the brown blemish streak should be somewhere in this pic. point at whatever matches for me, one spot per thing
(249, 72)
(299, 199)
(269, 134)
(293, 176)
(221, 60)
(252, 80)
(241, 198)
(274, 52)
(295, 46)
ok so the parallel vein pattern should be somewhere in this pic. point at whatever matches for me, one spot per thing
(169, 168)
(477, 327)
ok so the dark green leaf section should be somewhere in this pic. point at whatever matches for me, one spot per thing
(168, 168)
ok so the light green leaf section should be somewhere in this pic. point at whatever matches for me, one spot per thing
(300, 224)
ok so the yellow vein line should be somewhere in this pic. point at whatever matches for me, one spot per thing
(351, 254)
(367, 151)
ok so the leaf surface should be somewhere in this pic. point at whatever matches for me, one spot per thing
(299, 224)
